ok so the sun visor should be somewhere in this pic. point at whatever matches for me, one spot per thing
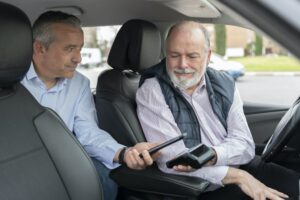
(192, 8)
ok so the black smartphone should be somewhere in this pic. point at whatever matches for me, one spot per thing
(165, 144)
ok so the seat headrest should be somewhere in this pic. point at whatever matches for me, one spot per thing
(136, 47)
(15, 44)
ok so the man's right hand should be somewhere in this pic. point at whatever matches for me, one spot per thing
(251, 186)
(132, 155)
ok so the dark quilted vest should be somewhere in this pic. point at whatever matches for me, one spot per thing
(220, 88)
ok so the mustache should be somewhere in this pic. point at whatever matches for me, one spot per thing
(184, 71)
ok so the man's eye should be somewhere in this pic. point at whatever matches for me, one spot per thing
(193, 56)
(174, 56)
(70, 49)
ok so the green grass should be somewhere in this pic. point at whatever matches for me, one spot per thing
(269, 63)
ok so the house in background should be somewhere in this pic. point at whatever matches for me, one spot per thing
(240, 42)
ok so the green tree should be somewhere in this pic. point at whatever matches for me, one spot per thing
(220, 39)
(258, 45)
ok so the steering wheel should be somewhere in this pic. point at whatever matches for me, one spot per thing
(286, 132)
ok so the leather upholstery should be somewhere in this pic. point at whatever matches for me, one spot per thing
(15, 45)
(39, 156)
(136, 47)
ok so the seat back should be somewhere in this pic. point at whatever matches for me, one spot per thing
(39, 156)
(136, 47)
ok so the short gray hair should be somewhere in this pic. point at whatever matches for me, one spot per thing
(42, 30)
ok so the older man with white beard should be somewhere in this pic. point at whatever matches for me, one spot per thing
(182, 95)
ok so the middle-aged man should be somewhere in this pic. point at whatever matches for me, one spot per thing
(53, 80)
(182, 95)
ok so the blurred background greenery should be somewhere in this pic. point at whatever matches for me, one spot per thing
(269, 63)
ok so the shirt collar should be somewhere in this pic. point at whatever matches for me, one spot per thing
(31, 75)
(202, 84)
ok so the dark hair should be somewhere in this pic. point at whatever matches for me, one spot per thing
(42, 30)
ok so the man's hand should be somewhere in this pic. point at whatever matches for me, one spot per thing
(251, 186)
(183, 168)
(134, 161)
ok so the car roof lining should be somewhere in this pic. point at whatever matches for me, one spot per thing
(116, 12)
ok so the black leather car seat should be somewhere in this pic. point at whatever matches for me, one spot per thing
(137, 46)
(39, 157)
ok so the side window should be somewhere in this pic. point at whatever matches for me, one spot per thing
(264, 72)
(97, 44)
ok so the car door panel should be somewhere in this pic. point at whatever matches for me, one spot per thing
(262, 120)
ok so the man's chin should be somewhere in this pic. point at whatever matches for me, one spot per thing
(184, 81)
(185, 84)
(69, 75)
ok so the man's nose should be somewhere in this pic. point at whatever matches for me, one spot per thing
(77, 57)
(183, 62)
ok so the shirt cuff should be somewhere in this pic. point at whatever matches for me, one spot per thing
(222, 156)
(110, 152)
(214, 174)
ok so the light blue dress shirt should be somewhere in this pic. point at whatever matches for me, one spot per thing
(73, 101)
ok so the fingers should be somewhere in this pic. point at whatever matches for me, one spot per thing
(183, 168)
(147, 158)
(133, 159)
(257, 190)
(138, 156)
(269, 193)
(276, 192)
(265, 193)
(143, 148)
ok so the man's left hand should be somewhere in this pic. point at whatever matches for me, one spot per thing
(183, 168)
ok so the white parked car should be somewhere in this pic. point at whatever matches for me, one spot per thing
(235, 69)
(91, 57)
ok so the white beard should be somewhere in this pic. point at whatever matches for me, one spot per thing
(184, 83)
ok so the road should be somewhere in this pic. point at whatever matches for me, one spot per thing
(277, 90)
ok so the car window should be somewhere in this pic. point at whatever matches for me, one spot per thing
(260, 67)
(97, 44)
(269, 70)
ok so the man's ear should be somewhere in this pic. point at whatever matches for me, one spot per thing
(38, 48)
(208, 57)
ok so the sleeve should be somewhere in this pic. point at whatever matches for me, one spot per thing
(159, 125)
(238, 147)
(97, 142)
